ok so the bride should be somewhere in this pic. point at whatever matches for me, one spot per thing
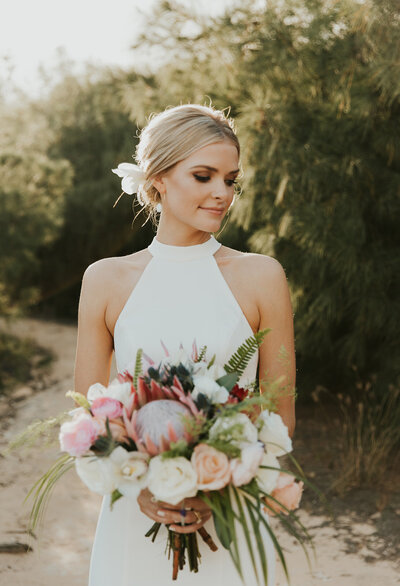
(185, 285)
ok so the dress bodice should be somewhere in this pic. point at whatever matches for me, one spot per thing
(182, 297)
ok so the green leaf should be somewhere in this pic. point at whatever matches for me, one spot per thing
(243, 522)
(228, 380)
(260, 544)
(115, 495)
(239, 359)
(257, 511)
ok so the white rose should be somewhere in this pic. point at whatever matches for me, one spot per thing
(211, 389)
(245, 468)
(236, 429)
(119, 391)
(95, 391)
(172, 479)
(267, 479)
(274, 433)
(97, 473)
(130, 472)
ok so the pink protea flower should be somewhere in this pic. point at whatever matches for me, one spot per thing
(155, 425)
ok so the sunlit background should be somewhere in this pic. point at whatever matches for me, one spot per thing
(39, 35)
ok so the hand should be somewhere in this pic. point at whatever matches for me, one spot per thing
(196, 512)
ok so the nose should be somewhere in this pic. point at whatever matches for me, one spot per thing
(221, 191)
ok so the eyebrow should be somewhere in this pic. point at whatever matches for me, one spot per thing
(214, 169)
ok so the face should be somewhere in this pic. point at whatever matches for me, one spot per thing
(197, 192)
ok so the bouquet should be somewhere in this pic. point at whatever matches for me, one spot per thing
(185, 428)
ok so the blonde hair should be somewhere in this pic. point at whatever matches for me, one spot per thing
(173, 135)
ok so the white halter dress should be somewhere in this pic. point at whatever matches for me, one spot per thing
(181, 296)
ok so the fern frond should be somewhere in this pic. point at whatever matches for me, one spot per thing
(240, 359)
(202, 353)
(138, 366)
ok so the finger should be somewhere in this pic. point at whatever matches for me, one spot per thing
(189, 528)
(151, 514)
(169, 516)
(196, 503)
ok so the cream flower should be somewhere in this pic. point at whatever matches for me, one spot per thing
(274, 433)
(236, 429)
(130, 471)
(122, 470)
(181, 356)
(119, 391)
(211, 389)
(245, 468)
(132, 177)
(214, 372)
(97, 473)
(172, 479)
(267, 479)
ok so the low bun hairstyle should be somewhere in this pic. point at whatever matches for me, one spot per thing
(173, 135)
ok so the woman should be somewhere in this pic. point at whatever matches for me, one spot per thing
(184, 286)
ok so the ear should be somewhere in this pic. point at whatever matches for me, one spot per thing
(158, 183)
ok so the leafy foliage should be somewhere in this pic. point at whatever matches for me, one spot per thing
(240, 359)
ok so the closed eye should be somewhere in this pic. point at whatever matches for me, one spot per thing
(203, 179)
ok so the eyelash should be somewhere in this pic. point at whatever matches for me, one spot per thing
(205, 179)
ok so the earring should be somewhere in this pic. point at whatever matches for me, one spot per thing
(159, 207)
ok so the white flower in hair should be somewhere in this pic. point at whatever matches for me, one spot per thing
(132, 177)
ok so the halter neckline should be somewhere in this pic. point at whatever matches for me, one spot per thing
(171, 252)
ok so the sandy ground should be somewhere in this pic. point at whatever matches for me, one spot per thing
(350, 552)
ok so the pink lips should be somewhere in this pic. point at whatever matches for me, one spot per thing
(216, 211)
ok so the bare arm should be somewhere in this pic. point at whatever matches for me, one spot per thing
(94, 342)
(277, 353)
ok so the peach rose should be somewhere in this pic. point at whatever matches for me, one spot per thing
(118, 430)
(212, 467)
(287, 492)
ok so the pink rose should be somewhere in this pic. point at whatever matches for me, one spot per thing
(77, 436)
(212, 467)
(106, 407)
(287, 492)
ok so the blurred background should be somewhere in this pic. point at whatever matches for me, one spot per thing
(314, 88)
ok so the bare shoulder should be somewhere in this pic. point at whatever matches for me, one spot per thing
(105, 274)
(112, 266)
(259, 268)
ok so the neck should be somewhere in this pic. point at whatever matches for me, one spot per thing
(182, 236)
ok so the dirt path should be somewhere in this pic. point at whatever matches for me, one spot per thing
(63, 556)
